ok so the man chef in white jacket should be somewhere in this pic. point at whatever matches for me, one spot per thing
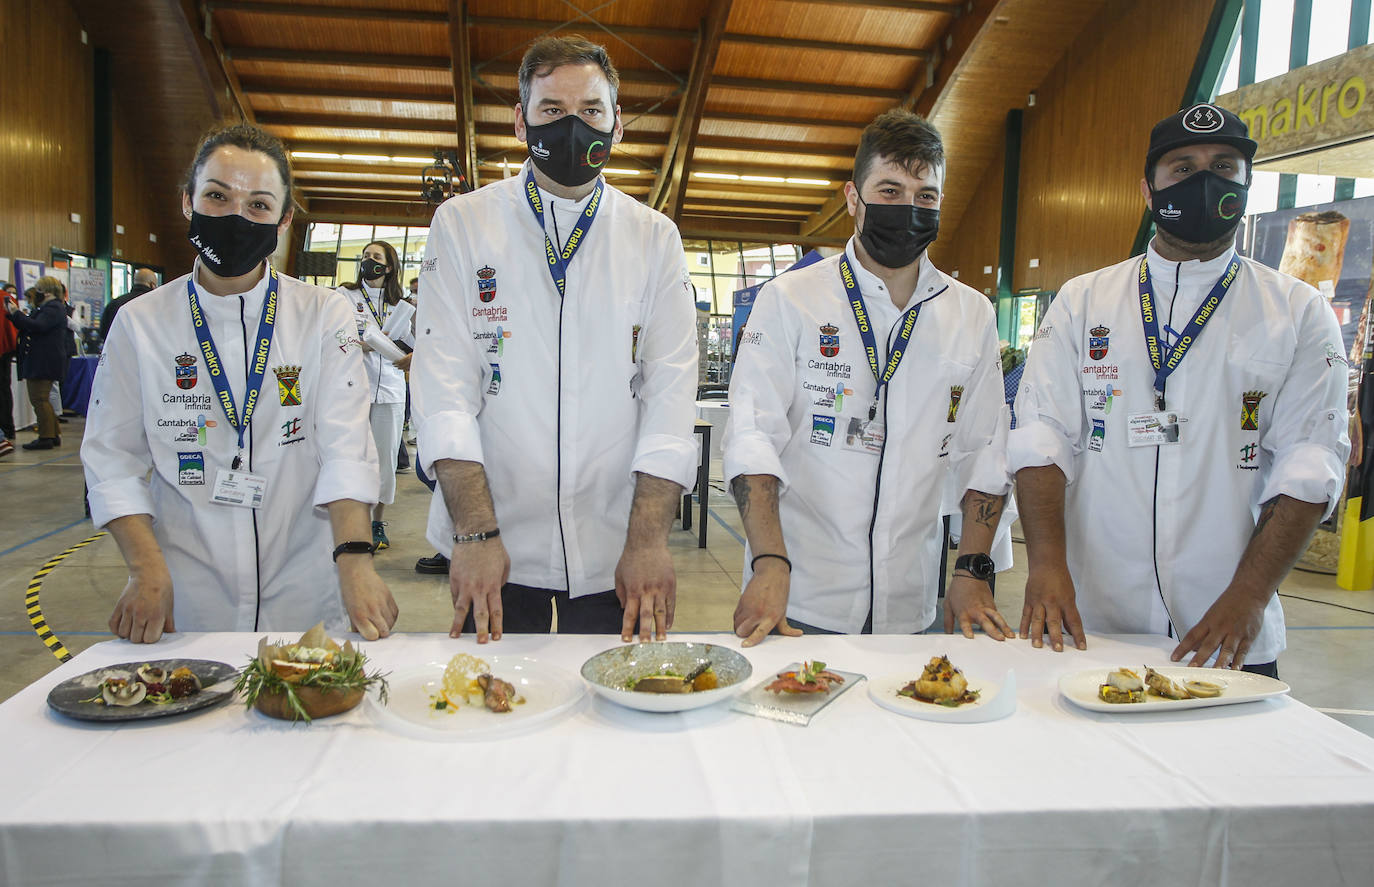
(1181, 423)
(555, 373)
(866, 401)
(227, 448)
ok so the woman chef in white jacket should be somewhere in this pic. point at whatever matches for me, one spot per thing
(227, 440)
(383, 319)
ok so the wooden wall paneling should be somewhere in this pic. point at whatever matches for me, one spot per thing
(141, 207)
(1083, 144)
(46, 132)
(972, 245)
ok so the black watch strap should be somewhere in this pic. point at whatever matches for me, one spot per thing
(979, 566)
(354, 548)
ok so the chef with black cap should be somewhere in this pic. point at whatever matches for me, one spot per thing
(1181, 423)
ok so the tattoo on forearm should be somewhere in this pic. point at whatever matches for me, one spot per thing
(1266, 513)
(986, 508)
(739, 488)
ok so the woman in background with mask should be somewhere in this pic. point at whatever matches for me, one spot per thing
(380, 311)
(227, 447)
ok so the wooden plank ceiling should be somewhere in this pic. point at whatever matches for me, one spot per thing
(741, 116)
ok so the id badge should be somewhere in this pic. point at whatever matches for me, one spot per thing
(238, 488)
(1152, 429)
(864, 436)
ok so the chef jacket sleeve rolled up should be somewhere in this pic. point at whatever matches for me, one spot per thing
(446, 390)
(667, 447)
(347, 454)
(762, 385)
(1049, 403)
(1307, 438)
(114, 450)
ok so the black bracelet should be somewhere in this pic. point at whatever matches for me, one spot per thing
(758, 557)
(354, 548)
(477, 537)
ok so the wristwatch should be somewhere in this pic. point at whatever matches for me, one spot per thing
(354, 548)
(979, 566)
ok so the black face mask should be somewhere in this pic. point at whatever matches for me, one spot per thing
(231, 246)
(569, 150)
(895, 235)
(372, 269)
(1200, 209)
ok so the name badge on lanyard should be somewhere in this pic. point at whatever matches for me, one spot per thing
(1161, 427)
(868, 436)
(559, 260)
(232, 486)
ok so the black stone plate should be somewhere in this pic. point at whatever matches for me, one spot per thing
(66, 698)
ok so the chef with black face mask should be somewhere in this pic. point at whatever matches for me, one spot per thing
(1181, 423)
(554, 375)
(866, 403)
(227, 447)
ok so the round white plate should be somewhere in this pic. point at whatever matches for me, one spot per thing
(1080, 688)
(548, 691)
(610, 670)
(989, 705)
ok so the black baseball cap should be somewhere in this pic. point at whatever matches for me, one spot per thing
(1201, 124)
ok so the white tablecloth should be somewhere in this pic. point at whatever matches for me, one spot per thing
(1264, 793)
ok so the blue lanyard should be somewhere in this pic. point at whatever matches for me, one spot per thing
(1165, 360)
(559, 261)
(257, 369)
(375, 316)
(894, 357)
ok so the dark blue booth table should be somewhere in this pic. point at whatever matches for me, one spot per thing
(76, 388)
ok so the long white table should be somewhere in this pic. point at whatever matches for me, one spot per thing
(1257, 794)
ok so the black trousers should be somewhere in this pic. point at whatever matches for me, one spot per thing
(6, 397)
(526, 610)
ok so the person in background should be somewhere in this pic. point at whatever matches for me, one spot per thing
(145, 280)
(42, 353)
(227, 471)
(414, 288)
(9, 344)
(380, 312)
(1181, 424)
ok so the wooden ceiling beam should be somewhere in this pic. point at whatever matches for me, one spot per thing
(666, 194)
(825, 45)
(545, 25)
(339, 59)
(213, 47)
(341, 13)
(808, 88)
(954, 9)
(275, 89)
(735, 203)
(770, 120)
(460, 59)
(374, 148)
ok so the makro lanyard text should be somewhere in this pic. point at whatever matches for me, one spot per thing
(1164, 359)
(904, 331)
(257, 367)
(560, 260)
(367, 299)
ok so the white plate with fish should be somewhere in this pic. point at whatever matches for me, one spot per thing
(443, 701)
(1233, 688)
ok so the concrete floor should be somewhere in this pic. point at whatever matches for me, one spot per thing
(1327, 663)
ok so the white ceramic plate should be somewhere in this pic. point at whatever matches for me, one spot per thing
(548, 691)
(610, 670)
(989, 706)
(1241, 686)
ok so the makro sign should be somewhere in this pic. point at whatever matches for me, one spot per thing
(1313, 107)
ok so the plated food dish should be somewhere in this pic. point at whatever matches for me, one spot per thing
(135, 691)
(447, 701)
(943, 692)
(312, 678)
(797, 692)
(810, 677)
(1171, 688)
(620, 673)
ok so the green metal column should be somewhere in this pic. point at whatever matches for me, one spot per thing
(1006, 244)
(1359, 36)
(103, 156)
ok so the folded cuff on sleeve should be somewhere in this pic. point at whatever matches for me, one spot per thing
(346, 479)
(1306, 472)
(119, 498)
(1036, 444)
(671, 458)
(449, 435)
(753, 454)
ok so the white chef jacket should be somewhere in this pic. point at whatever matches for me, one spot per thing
(786, 421)
(386, 382)
(561, 400)
(154, 408)
(1187, 517)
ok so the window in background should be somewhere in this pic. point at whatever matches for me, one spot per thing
(1275, 38)
(1364, 187)
(1329, 33)
(1264, 193)
(1313, 190)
